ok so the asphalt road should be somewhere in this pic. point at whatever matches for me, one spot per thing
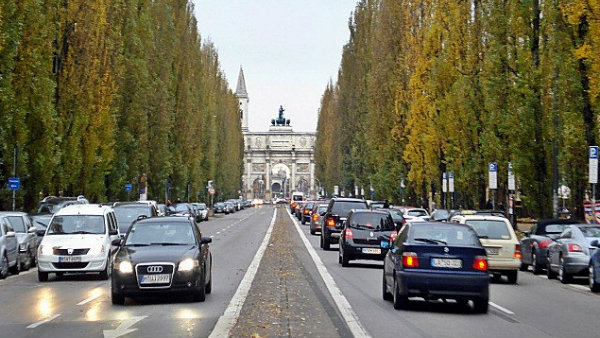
(80, 306)
(536, 307)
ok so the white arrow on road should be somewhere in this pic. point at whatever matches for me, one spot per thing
(124, 328)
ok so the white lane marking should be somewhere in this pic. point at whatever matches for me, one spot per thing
(230, 317)
(87, 300)
(34, 325)
(212, 236)
(123, 328)
(503, 309)
(351, 318)
(218, 232)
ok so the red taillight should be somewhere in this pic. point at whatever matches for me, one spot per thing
(293, 205)
(348, 234)
(306, 211)
(393, 235)
(410, 260)
(518, 251)
(315, 217)
(480, 263)
(544, 244)
(575, 247)
(330, 222)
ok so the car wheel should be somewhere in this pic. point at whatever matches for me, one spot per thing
(496, 277)
(117, 298)
(321, 241)
(200, 293)
(563, 276)
(303, 221)
(4, 267)
(400, 301)
(385, 293)
(536, 267)
(512, 276)
(28, 262)
(15, 269)
(208, 287)
(34, 260)
(524, 267)
(594, 286)
(326, 244)
(480, 305)
(42, 276)
(340, 255)
(549, 273)
(345, 257)
(104, 273)
(312, 232)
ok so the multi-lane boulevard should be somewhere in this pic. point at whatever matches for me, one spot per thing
(79, 306)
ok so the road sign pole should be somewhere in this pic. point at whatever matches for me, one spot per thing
(593, 176)
(14, 192)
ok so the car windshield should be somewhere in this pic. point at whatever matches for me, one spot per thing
(160, 233)
(371, 221)
(17, 223)
(417, 213)
(443, 234)
(128, 214)
(201, 206)
(322, 208)
(590, 231)
(377, 205)
(181, 208)
(76, 224)
(47, 208)
(490, 229)
(441, 214)
(342, 208)
(297, 197)
(554, 229)
(219, 204)
(41, 221)
(396, 215)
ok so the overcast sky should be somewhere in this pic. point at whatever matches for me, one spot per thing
(289, 50)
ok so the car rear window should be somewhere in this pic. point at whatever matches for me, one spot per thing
(374, 221)
(443, 234)
(396, 215)
(416, 213)
(342, 208)
(552, 229)
(490, 229)
(590, 231)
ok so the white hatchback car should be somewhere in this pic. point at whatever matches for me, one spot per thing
(500, 242)
(78, 239)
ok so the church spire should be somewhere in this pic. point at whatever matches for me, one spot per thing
(240, 91)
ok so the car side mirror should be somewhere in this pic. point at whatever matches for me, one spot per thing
(526, 233)
(117, 241)
(32, 229)
(595, 243)
(205, 240)
(10, 234)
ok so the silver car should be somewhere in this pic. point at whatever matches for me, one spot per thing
(26, 236)
(9, 249)
(569, 254)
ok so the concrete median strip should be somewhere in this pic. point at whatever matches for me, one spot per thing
(352, 320)
(229, 318)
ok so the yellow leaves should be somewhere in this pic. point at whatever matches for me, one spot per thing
(583, 52)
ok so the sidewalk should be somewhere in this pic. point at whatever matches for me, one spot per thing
(287, 297)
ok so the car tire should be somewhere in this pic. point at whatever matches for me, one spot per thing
(303, 221)
(325, 242)
(28, 262)
(563, 276)
(15, 269)
(104, 273)
(4, 267)
(312, 232)
(400, 301)
(42, 276)
(200, 293)
(512, 276)
(384, 292)
(549, 273)
(481, 305)
(524, 267)
(345, 257)
(208, 287)
(594, 286)
(117, 298)
(535, 266)
(34, 261)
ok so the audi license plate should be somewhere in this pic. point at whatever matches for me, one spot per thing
(371, 251)
(492, 251)
(446, 263)
(69, 259)
(155, 279)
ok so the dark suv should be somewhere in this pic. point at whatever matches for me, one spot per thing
(52, 204)
(335, 216)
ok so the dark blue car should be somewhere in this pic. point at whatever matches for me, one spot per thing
(594, 269)
(436, 261)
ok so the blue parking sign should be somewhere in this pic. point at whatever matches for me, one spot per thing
(14, 183)
(128, 187)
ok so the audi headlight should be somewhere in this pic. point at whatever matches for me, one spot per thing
(46, 250)
(125, 267)
(188, 264)
(96, 250)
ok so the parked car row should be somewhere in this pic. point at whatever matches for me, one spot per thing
(230, 206)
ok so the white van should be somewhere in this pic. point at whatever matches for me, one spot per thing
(500, 242)
(78, 239)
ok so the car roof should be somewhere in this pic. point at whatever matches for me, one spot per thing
(13, 213)
(481, 217)
(129, 204)
(369, 211)
(347, 199)
(547, 221)
(84, 209)
(162, 219)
